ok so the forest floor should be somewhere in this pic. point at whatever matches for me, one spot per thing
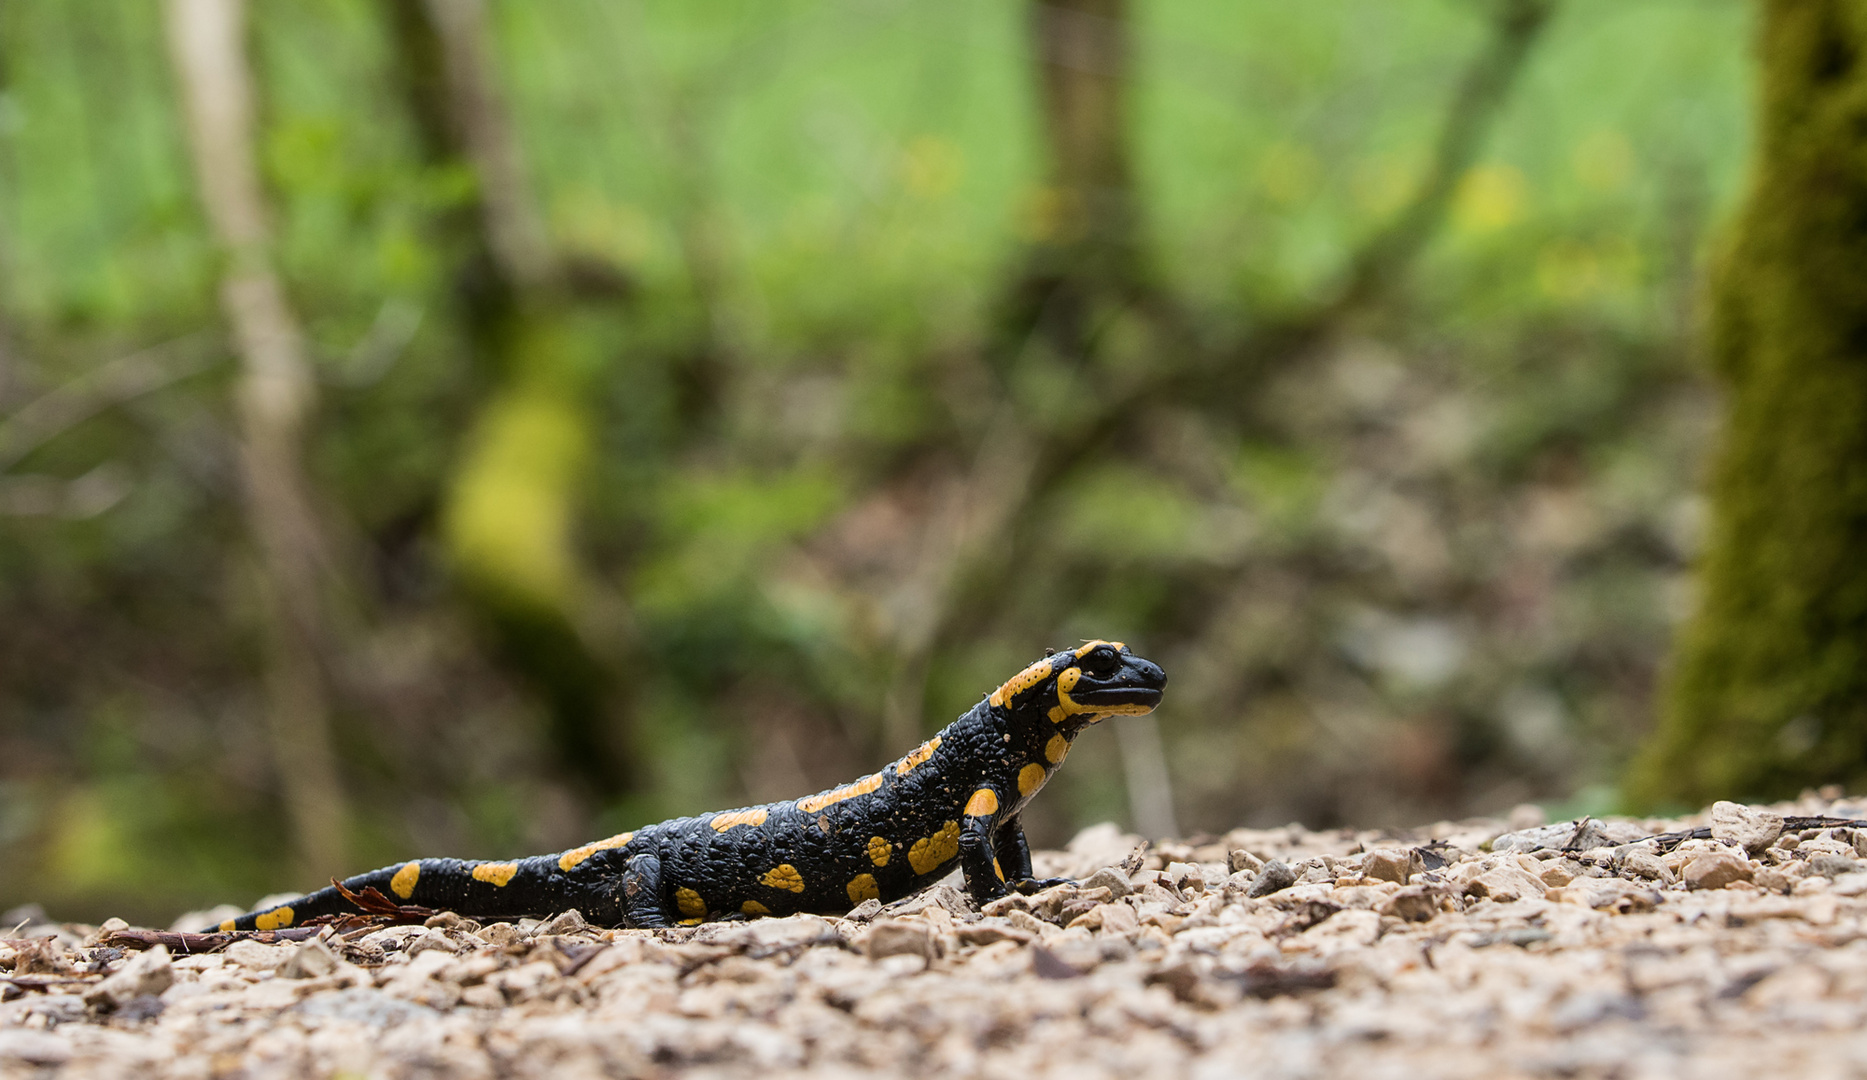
(1588, 949)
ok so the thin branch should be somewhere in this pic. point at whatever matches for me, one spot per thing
(1480, 98)
(62, 408)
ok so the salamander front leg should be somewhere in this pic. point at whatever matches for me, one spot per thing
(978, 861)
(1014, 855)
(641, 894)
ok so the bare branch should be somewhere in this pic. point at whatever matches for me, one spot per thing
(145, 371)
(1481, 96)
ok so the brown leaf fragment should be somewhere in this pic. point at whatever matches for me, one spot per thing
(371, 901)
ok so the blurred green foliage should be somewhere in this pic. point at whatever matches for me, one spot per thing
(1436, 579)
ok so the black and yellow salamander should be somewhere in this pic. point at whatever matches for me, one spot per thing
(954, 798)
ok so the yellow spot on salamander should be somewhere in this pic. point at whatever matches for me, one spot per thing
(999, 870)
(1056, 749)
(1030, 778)
(929, 853)
(753, 907)
(496, 872)
(696, 921)
(274, 920)
(570, 859)
(783, 876)
(691, 904)
(862, 887)
(722, 822)
(1090, 645)
(1065, 708)
(984, 803)
(917, 756)
(880, 850)
(848, 791)
(1021, 682)
(227, 927)
(403, 883)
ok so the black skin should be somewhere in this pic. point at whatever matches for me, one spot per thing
(958, 797)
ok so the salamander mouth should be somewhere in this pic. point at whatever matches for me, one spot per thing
(1105, 697)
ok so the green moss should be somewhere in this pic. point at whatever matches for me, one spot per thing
(1768, 691)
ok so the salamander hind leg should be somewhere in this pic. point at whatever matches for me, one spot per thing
(642, 904)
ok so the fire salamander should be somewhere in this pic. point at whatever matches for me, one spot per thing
(954, 798)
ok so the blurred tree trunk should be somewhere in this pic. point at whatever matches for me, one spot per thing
(273, 400)
(1768, 691)
(1086, 252)
(508, 518)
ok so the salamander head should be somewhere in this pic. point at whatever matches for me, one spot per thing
(1080, 686)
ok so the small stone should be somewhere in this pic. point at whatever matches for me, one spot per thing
(499, 933)
(1119, 919)
(1639, 862)
(1770, 879)
(1851, 884)
(1387, 864)
(1110, 878)
(1832, 866)
(992, 933)
(1825, 845)
(450, 920)
(899, 937)
(1506, 884)
(1814, 884)
(1715, 870)
(1746, 826)
(1238, 860)
(146, 973)
(1411, 904)
(1187, 877)
(1024, 920)
(312, 960)
(257, 956)
(570, 922)
(1275, 877)
(430, 941)
(1582, 834)
(1589, 834)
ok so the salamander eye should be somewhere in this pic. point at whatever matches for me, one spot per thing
(1101, 661)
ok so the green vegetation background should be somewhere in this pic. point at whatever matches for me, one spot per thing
(1435, 578)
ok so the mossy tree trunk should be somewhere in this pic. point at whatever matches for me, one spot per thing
(534, 324)
(1768, 689)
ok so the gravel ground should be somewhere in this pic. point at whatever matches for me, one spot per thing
(1574, 949)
